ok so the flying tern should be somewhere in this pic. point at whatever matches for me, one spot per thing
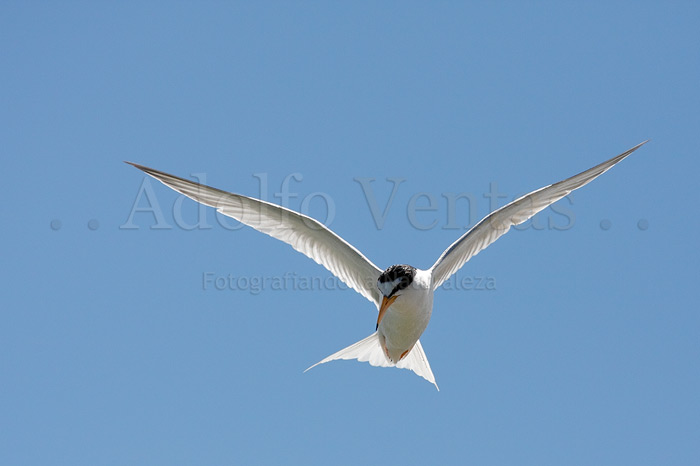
(403, 294)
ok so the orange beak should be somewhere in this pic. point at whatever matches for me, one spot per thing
(386, 302)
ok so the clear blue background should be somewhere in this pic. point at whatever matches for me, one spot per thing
(113, 352)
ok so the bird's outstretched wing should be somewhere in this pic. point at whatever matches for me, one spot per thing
(496, 224)
(303, 233)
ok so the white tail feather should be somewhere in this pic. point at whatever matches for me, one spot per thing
(369, 350)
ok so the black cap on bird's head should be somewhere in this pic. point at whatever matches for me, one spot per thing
(393, 280)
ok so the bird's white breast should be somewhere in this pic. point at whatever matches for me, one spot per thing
(407, 317)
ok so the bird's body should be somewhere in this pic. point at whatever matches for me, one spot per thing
(407, 317)
(403, 294)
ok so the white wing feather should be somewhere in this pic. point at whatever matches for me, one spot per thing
(303, 233)
(496, 224)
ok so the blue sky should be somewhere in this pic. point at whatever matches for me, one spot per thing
(573, 340)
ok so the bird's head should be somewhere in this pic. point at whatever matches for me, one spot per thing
(391, 283)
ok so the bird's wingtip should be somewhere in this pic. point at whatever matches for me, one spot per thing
(134, 164)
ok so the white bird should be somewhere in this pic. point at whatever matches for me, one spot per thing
(403, 294)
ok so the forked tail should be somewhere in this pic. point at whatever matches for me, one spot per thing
(370, 350)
